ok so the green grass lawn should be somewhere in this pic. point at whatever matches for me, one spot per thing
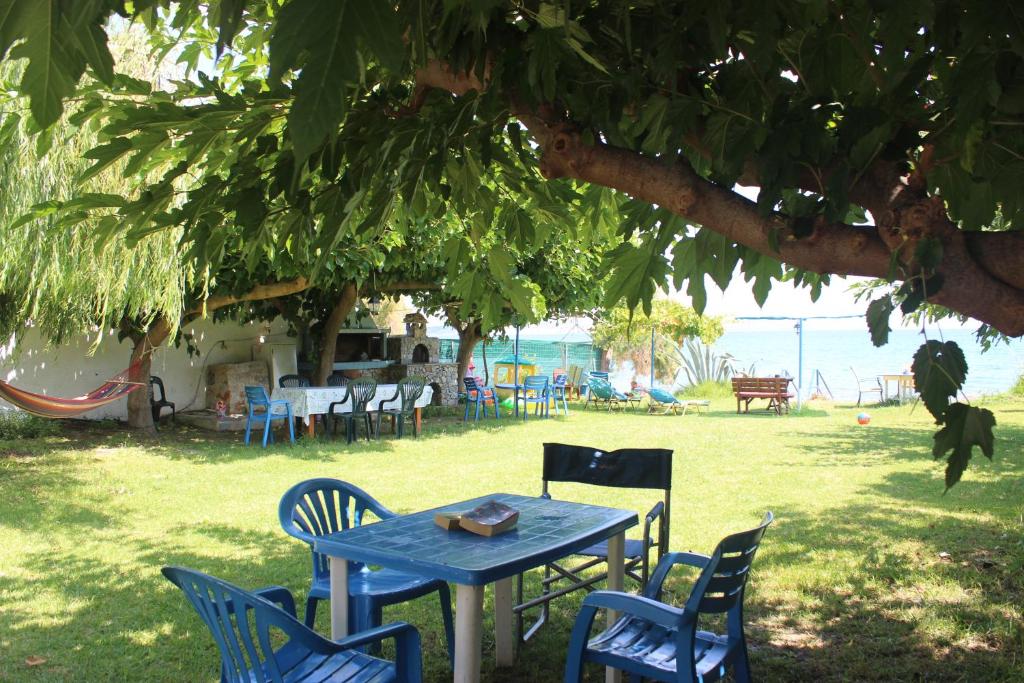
(869, 573)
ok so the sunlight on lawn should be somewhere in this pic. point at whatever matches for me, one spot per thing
(868, 560)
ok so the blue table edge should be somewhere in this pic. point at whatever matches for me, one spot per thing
(329, 545)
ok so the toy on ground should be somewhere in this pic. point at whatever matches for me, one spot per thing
(863, 418)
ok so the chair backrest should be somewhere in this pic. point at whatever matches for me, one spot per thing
(156, 382)
(240, 623)
(256, 396)
(292, 381)
(600, 387)
(599, 375)
(319, 507)
(410, 389)
(720, 585)
(556, 372)
(575, 375)
(361, 391)
(336, 380)
(635, 468)
(560, 380)
(470, 383)
(535, 382)
(662, 396)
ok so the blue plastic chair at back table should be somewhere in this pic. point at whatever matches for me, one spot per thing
(319, 507)
(234, 615)
(257, 398)
(479, 395)
(537, 385)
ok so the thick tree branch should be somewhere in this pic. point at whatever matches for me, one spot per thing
(270, 290)
(978, 282)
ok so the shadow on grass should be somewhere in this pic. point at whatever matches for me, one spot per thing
(926, 600)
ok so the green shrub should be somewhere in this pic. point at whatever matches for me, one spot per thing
(706, 389)
(18, 425)
(1018, 388)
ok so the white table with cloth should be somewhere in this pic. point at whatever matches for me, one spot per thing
(308, 402)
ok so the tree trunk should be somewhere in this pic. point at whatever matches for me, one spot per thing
(329, 335)
(140, 415)
(469, 337)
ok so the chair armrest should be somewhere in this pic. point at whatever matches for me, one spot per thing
(279, 595)
(408, 658)
(330, 408)
(657, 511)
(380, 406)
(669, 560)
(636, 605)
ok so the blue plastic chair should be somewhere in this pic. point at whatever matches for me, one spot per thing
(257, 398)
(558, 392)
(234, 616)
(538, 385)
(659, 642)
(319, 507)
(479, 395)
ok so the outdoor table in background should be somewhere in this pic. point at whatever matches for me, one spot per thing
(904, 386)
(310, 401)
(547, 530)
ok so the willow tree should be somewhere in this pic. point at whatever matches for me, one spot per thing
(55, 276)
(907, 111)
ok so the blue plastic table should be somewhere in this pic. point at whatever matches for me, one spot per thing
(547, 530)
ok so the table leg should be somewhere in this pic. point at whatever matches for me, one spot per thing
(616, 578)
(311, 426)
(469, 617)
(417, 416)
(504, 626)
(339, 598)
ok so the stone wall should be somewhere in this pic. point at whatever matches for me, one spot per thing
(442, 376)
(227, 381)
(401, 349)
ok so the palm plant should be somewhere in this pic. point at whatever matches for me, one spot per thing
(701, 364)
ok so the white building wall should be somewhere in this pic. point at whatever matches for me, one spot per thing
(71, 370)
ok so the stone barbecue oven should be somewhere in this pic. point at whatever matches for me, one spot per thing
(418, 354)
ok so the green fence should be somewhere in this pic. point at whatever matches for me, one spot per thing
(547, 354)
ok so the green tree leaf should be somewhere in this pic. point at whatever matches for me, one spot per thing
(939, 371)
(965, 427)
(54, 65)
(878, 315)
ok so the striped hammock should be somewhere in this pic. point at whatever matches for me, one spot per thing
(55, 406)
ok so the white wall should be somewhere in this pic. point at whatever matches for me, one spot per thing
(69, 370)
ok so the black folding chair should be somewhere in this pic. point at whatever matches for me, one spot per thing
(637, 468)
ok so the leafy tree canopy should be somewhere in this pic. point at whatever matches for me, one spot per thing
(627, 336)
(323, 118)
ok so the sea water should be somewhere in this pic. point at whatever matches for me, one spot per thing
(832, 352)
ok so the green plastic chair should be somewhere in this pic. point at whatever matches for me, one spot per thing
(408, 391)
(360, 392)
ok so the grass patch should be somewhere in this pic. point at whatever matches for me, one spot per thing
(706, 389)
(870, 572)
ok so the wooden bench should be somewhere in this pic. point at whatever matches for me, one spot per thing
(774, 389)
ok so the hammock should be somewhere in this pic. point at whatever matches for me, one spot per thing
(55, 406)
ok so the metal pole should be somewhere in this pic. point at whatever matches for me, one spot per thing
(651, 385)
(800, 365)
